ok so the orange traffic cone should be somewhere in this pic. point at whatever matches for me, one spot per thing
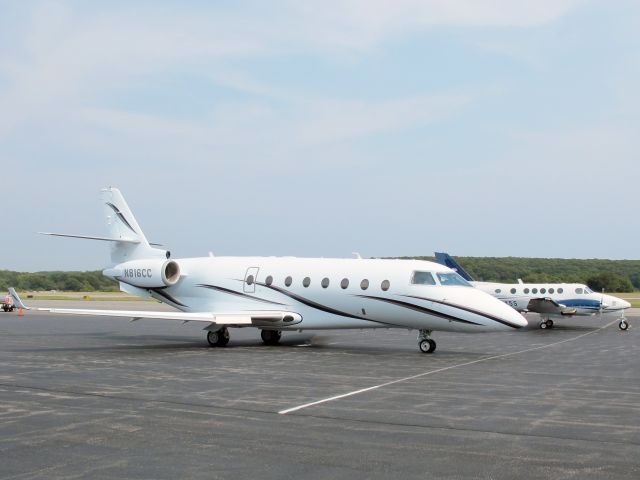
(20, 312)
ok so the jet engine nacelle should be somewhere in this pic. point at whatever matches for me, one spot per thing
(146, 273)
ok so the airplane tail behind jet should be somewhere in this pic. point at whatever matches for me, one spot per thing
(128, 242)
(446, 260)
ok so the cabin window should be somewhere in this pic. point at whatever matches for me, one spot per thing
(513, 290)
(452, 279)
(250, 280)
(288, 281)
(534, 291)
(497, 290)
(268, 280)
(543, 290)
(364, 284)
(422, 278)
(560, 290)
(306, 282)
(526, 291)
(325, 282)
(344, 283)
(551, 290)
(385, 285)
(578, 290)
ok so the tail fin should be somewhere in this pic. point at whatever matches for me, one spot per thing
(16, 299)
(125, 235)
(131, 243)
(446, 260)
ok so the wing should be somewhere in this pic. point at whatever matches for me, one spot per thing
(253, 318)
(549, 306)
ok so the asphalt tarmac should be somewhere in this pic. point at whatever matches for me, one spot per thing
(104, 398)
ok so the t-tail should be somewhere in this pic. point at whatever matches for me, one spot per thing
(446, 260)
(138, 265)
(127, 240)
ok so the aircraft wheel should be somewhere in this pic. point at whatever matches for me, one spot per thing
(543, 325)
(223, 337)
(427, 345)
(271, 337)
(549, 323)
(623, 325)
(213, 338)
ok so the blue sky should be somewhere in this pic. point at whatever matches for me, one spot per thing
(479, 127)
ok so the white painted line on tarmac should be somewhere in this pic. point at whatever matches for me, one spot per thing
(438, 370)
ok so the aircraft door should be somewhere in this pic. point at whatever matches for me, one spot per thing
(250, 279)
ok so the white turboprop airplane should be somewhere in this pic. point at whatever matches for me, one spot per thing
(550, 300)
(276, 294)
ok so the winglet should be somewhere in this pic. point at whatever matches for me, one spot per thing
(16, 299)
(446, 260)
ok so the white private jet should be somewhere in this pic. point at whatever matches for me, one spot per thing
(276, 294)
(550, 300)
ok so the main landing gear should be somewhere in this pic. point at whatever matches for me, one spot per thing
(425, 342)
(271, 337)
(219, 338)
(548, 323)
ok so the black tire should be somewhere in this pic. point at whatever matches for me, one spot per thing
(223, 337)
(270, 337)
(543, 325)
(212, 338)
(427, 345)
(549, 323)
(623, 325)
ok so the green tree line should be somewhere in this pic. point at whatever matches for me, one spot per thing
(61, 281)
(612, 275)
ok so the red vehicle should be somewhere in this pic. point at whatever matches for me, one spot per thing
(7, 304)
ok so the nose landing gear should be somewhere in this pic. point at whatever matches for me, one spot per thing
(425, 342)
(623, 325)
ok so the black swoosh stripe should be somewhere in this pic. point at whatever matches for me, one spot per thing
(239, 294)
(165, 295)
(121, 216)
(324, 308)
(418, 308)
(467, 309)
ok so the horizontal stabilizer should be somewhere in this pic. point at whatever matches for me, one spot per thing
(91, 237)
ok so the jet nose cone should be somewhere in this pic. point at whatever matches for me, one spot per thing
(515, 318)
(503, 316)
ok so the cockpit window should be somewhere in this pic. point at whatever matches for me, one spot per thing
(587, 290)
(422, 278)
(448, 279)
